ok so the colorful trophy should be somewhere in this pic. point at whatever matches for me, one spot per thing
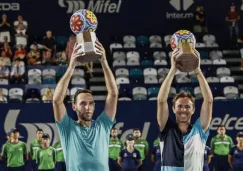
(183, 42)
(83, 23)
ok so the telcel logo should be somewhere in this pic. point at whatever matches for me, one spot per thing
(9, 7)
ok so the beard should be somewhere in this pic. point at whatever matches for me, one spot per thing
(85, 118)
(114, 136)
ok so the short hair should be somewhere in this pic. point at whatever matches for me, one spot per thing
(39, 130)
(114, 129)
(79, 91)
(220, 126)
(136, 129)
(184, 94)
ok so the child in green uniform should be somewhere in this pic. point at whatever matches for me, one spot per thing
(115, 146)
(46, 155)
(141, 145)
(60, 162)
(15, 152)
(34, 146)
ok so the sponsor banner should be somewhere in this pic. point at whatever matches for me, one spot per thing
(29, 117)
(120, 17)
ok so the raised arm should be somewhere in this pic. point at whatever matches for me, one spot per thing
(162, 105)
(207, 106)
(112, 97)
(61, 88)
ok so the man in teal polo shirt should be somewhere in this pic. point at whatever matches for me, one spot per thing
(220, 147)
(85, 141)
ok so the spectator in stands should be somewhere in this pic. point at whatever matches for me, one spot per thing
(141, 145)
(7, 49)
(4, 59)
(62, 59)
(4, 71)
(15, 152)
(70, 46)
(17, 72)
(48, 59)
(20, 53)
(2, 98)
(5, 41)
(156, 156)
(232, 19)
(33, 57)
(235, 157)
(5, 29)
(129, 158)
(115, 146)
(200, 21)
(220, 147)
(207, 158)
(34, 146)
(46, 155)
(47, 96)
(49, 44)
(20, 26)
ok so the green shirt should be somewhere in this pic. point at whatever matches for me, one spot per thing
(141, 145)
(115, 146)
(34, 146)
(14, 153)
(45, 158)
(221, 146)
(156, 142)
(59, 152)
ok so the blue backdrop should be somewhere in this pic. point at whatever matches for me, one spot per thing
(140, 114)
(119, 17)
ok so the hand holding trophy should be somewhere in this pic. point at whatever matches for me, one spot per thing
(83, 23)
(183, 45)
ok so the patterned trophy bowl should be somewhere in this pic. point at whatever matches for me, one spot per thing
(77, 22)
(184, 42)
(91, 21)
(182, 36)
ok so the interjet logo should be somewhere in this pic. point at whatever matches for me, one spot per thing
(181, 6)
(97, 6)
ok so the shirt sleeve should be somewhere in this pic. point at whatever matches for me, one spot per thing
(169, 124)
(24, 149)
(105, 121)
(198, 126)
(232, 151)
(212, 143)
(64, 126)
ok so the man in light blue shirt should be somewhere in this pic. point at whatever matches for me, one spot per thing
(85, 142)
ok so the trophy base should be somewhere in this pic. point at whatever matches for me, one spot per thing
(89, 57)
(187, 60)
(87, 40)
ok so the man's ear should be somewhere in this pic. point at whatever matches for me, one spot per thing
(74, 106)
